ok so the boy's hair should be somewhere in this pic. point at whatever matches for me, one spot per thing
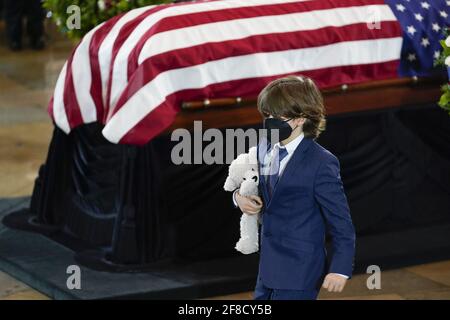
(294, 97)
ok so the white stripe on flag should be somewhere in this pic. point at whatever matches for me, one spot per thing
(119, 78)
(105, 50)
(59, 111)
(247, 66)
(242, 28)
(82, 78)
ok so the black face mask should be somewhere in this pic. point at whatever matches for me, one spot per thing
(283, 127)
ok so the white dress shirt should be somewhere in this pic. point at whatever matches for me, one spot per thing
(290, 148)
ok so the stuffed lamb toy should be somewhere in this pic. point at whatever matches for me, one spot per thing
(243, 175)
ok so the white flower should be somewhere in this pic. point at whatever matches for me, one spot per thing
(101, 5)
(447, 61)
(447, 42)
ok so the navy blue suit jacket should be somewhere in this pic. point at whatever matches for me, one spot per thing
(308, 200)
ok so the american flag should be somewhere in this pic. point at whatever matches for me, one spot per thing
(132, 73)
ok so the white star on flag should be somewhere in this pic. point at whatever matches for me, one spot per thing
(425, 42)
(443, 14)
(418, 17)
(401, 8)
(411, 30)
(411, 57)
(425, 5)
(436, 27)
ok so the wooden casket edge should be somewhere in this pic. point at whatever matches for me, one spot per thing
(237, 112)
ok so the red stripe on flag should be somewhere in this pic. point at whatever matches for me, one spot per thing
(199, 18)
(163, 116)
(50, 109)
(196, 55)
(125, 32)
(71, 105)
(94, 47)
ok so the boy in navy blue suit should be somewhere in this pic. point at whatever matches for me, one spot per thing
(302, 197)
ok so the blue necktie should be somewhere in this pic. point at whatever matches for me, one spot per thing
(275, 167)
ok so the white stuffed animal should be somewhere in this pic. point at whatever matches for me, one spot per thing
(243, 175)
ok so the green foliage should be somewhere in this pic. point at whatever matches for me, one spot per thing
(92, 12)
(444, 102)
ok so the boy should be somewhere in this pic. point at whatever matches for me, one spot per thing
(303, 196)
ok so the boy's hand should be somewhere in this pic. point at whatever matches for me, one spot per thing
(250, 204)
(334, 282)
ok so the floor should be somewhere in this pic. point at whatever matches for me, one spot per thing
(27, 79)
(427, 281)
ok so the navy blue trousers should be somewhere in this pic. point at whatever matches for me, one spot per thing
(264, 293)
